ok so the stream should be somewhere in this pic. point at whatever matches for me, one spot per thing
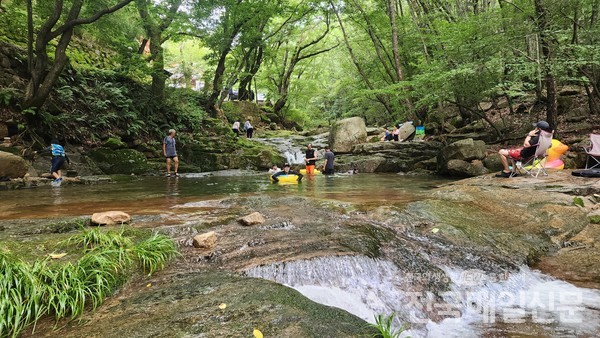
(480, 296)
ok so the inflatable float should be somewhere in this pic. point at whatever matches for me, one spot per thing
(553, 160)
(586, 173)
(303, 172)
(287, 179)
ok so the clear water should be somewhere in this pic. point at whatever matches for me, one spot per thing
(152, 195)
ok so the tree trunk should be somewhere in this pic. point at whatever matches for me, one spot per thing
(551, 102)
(211, 107)
(396, 52)
(159, 76)
(43, 75)
(359, 68)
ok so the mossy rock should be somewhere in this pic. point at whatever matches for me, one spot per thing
(114, 143)
(122, 161)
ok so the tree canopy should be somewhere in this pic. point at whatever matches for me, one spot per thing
(385, 60)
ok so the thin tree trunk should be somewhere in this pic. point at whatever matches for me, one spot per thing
(591, 100)
(363, 75)
(551, 101)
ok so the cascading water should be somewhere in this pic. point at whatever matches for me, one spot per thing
(475, 304)
(293, 148)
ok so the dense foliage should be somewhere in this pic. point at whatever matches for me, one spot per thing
(385, 60)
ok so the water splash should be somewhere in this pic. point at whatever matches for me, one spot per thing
(477, 303)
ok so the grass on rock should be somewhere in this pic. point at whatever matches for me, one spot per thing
(29, 291)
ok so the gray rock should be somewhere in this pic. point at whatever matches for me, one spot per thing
(466, 150)
(578, 115)
(460, 168)
(347, 133)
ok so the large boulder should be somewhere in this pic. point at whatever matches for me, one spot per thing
(12, 166)
(462, 158)
(460, 168)
(110, 218)
(205, 241)
(347, 133)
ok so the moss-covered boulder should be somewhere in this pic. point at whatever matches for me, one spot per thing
(122, 161)
(114, 143)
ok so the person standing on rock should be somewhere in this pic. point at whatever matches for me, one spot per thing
(170, 153)
(236, 128)
(329, 159)
(311, 159)
(248, 128)
(58, 160)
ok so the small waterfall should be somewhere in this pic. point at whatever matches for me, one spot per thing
(294, 156)
(287, 147)
(476, 301)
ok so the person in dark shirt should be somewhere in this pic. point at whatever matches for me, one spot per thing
(170, 152)
(310, 159)
(527, 150)
(329, 158)
(286, 171)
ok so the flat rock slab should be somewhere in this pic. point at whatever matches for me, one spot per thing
(110, 218)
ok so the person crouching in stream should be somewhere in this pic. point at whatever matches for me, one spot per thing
(286, 171)
(57, 162)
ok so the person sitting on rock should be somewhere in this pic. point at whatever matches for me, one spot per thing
(287, 171)
(526, 151)
(387, 135)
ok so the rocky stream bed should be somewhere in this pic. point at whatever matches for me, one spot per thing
(368, 244)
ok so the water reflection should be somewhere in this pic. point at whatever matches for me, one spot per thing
(144, 193)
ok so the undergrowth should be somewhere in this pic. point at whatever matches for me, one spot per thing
(29, 291)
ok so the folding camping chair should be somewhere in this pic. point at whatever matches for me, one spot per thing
(593, 152)
(535, 164)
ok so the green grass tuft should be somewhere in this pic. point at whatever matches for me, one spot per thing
(384, 326)
(28, 291)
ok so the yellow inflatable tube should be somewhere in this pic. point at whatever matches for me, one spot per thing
(303, 172)
(553, 160)
(286, 179)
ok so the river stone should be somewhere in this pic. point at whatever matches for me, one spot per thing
(466, 150)
(110, 218)
(347, 133)
(252, 219)
(12, 166)
(460, 168)
(205, 241)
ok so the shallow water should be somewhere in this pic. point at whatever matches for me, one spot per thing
(153, 195)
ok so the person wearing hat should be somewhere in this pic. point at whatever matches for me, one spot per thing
(527, 150)
(286, 171)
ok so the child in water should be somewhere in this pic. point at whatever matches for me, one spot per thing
(57, 162)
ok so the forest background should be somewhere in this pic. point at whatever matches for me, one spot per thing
(90, 70)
